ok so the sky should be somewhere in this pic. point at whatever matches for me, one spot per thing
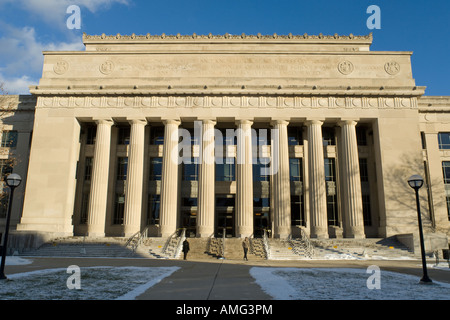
(28, 27)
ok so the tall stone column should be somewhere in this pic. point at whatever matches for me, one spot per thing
(353, 212)
(206, 207)
(281, 185)
(99, 181)
(169, 180)
(244, 180)
(317, 186)
(135, 178)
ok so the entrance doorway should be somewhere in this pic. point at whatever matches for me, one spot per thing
(225, 205)
(189, 216)
(261, 217)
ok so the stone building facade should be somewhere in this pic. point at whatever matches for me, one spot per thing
(235, 134)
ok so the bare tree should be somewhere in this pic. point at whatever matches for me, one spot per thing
(7, 109)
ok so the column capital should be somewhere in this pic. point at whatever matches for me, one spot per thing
(350, 121)
(318, 121)
(208, 121)
(141, 121)
(107, 121)
(274, 122)
(171, 121)
(244, 121)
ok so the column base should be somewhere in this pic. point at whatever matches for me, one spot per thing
(282, 232)
(204, 231)
(166, 231)
(242, 232)
(355, 233)
(319, 233)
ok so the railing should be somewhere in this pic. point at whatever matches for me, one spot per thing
(136, 239)
(266, 244)
(180, 242)
(181, 237)
(223, 242)
(309, 248)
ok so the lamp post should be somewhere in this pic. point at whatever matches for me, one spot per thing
(416, 182)
(13, 181)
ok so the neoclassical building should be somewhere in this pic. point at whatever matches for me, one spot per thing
(236, 134)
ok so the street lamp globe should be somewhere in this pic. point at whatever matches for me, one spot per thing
(415, 181)
(13, 180)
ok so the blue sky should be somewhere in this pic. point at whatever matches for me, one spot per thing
(27, 27)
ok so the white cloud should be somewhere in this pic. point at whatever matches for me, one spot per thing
(54, 11)
(17, 85)
(21, 56)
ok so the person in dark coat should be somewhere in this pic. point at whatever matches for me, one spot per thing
(245, 246)
(185, 248)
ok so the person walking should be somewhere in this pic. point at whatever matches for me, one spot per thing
(245, 246)
(185, 248)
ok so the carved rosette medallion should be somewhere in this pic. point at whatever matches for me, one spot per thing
(345, 67)
(107, 67)
(61, 67)
(392, 68)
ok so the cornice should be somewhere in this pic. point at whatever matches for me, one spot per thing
(238, 90)
(210, 37)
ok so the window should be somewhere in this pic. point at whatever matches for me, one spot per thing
(366, 210)
(444, 140)
(88, 168)
(446, 171)
(157, 135)
(332, 210)
(297, 211)
(363, 170)
(330, 169)
(190, 171)
(154, 205)
(225, 172)
(156, 168)
(91, 134)
(119, 208)
(328, 136)
(261, 171)
(124, 135)
(9, 139)
(295, 136)
(84, 208)
(448, 207)
(295, 169)
(361, 137)
(122, 168)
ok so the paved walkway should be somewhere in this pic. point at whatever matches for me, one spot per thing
(221, 279)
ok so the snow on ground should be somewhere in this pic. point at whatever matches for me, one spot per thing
(96, 283)
(16, 261)
(344, 284)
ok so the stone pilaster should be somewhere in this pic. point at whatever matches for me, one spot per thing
(206, 208)
(135, 178)
(169, 181)
(244, 180)
(99, 182)
(281, 185)
(317, 187)
(353, 212)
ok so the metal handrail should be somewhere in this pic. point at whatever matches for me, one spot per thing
(308, 244)
(140, 235)
(266, 244)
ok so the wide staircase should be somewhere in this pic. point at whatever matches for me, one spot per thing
(212, 248)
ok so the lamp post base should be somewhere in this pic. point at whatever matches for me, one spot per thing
(425, 280)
